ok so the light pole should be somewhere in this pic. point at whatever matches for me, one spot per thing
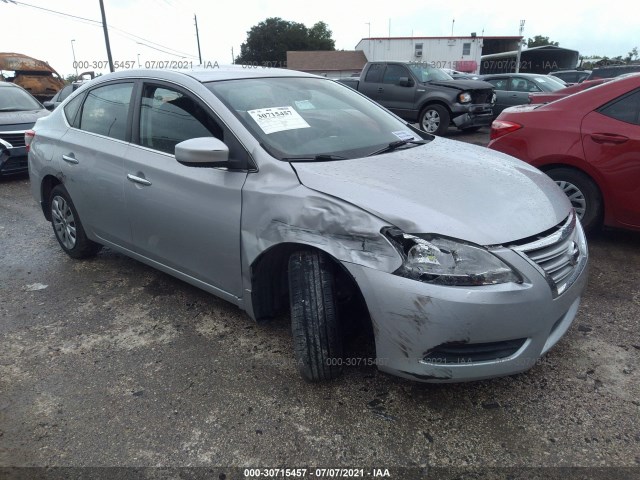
(74, 57)
(519, 47)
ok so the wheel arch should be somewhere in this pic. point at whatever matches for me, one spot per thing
(269, 280)
(577, 165)
(47, 185)
(434, 101)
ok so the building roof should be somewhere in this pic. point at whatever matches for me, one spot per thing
(324, 60)
(488, 37)
(528, 51)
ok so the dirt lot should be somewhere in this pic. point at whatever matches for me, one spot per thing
(108, 362)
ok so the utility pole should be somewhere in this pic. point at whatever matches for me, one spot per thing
(74, 58)
(519, 47)
(106, 36)
(195, 18)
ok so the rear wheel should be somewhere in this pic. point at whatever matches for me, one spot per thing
(317, 338)
(434, 119)
(583, 194)
(67, 226)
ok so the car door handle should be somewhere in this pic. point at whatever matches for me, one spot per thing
(140, 180)
(380, 89)
(70, 158)
(608, 138)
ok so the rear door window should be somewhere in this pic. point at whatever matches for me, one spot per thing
(499, 83)
(625, 109)
(106, 111)
(374, 74)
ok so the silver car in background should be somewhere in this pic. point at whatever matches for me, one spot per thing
(278, 190)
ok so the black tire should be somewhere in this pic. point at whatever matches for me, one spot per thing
(66, 223)
(434, 119)
(317, 339)
(583, 194)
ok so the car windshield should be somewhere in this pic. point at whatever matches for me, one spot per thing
(311, 118)
(549, 83)
(426, 73)
(13, 99)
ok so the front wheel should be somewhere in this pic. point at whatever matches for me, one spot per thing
(67, 226)
(583, 194)
(434, 119)
(317, 338)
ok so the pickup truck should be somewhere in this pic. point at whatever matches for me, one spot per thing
(418, 92)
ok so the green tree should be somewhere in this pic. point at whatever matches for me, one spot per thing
(540, 41)
(632, 55)
(269, 40)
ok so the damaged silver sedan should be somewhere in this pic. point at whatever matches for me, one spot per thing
(277, 190)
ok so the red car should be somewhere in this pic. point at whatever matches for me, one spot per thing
(589, 143)
(546, 97)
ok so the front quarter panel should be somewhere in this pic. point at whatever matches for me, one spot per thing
(277, 209)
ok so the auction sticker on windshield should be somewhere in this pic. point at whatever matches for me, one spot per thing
(404, 135)
(277, 119)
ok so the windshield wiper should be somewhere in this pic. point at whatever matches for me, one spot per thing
(397, 144)
(13, 109)
(316, 158)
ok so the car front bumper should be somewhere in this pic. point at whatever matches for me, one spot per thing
(13, 161)
(436, 333)
(466, 116)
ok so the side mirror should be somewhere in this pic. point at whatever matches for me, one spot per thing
(405, 82)
(49, 105)
(203, 152)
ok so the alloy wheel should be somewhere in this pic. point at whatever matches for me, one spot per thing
(64, 222)
(431, 121)
(575, 195)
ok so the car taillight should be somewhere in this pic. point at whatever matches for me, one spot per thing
(29, 135)
(499, 128)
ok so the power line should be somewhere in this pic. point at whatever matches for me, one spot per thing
(99, 24)
(58, 13)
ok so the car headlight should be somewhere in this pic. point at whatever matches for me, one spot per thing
(464, 97)
(445, 261)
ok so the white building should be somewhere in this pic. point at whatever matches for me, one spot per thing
(457, 53)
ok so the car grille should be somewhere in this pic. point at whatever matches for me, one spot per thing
(481, 96)
(558, 254)
(16, 139)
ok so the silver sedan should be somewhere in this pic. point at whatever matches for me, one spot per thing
(282, 191)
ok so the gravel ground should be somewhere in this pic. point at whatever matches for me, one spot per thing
(108, 362)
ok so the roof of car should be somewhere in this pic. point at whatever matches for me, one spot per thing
(212, 73)
(8, 84)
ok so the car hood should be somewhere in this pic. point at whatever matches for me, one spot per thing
(463, 84)
(10, 120)
(446, 187)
